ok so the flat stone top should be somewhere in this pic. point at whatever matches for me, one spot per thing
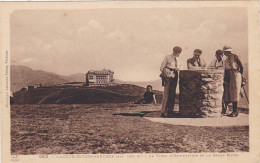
(203, 71)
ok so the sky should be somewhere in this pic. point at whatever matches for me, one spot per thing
(130, 42)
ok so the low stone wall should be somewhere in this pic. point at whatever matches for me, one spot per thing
(201, 93)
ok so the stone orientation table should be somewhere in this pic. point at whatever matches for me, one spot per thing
(201, 93)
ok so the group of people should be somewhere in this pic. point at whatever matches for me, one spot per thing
(170, 68)
(232, 77)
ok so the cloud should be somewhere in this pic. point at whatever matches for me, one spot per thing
(214, 26)
(82, 30)
(208, 29)
(47, 46)
(91, 29)
(117, 36)
(201, 33)
(58, 42)
(27, 60)
(36, 41)
(94, 24)
(132, 42)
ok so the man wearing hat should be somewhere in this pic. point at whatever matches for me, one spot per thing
(196, 63)
(217, 63)
(232, 79)
(169, 68)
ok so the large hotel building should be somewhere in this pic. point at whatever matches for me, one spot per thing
(100, 78)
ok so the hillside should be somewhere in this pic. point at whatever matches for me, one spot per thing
(78, 77)
(82, 95)
(22, 76)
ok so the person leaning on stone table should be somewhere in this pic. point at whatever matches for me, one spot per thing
(232, 80)
(196, 62)
(218, 62)
(169, 68)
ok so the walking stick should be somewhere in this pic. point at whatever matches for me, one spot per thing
(246, 95)
(244, 82)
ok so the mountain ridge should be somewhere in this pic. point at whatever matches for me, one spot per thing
(23, 76)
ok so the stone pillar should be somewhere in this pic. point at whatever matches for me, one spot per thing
(201, 93)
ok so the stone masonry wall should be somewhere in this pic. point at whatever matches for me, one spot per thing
(201, 93)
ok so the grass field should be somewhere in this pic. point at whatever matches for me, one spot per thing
(82, 95)
(112, 128)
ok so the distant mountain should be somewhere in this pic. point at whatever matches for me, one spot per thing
(78, 77)
(22, 76)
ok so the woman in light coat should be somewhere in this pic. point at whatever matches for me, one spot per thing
(232, 79)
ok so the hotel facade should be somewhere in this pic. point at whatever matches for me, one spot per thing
(100, 78)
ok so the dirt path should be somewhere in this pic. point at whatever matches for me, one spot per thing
(241, 120)
(46, 97)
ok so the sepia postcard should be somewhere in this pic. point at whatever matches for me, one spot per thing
(134, 81)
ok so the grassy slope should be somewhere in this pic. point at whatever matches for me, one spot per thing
(82, 95)
(82, 129)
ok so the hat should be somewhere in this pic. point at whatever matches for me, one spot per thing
(227, 49)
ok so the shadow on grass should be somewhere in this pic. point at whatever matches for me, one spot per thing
(240, 109)
(149, 114)
(175, 114)
(140, 114)
(131, 114)
(157, 114)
